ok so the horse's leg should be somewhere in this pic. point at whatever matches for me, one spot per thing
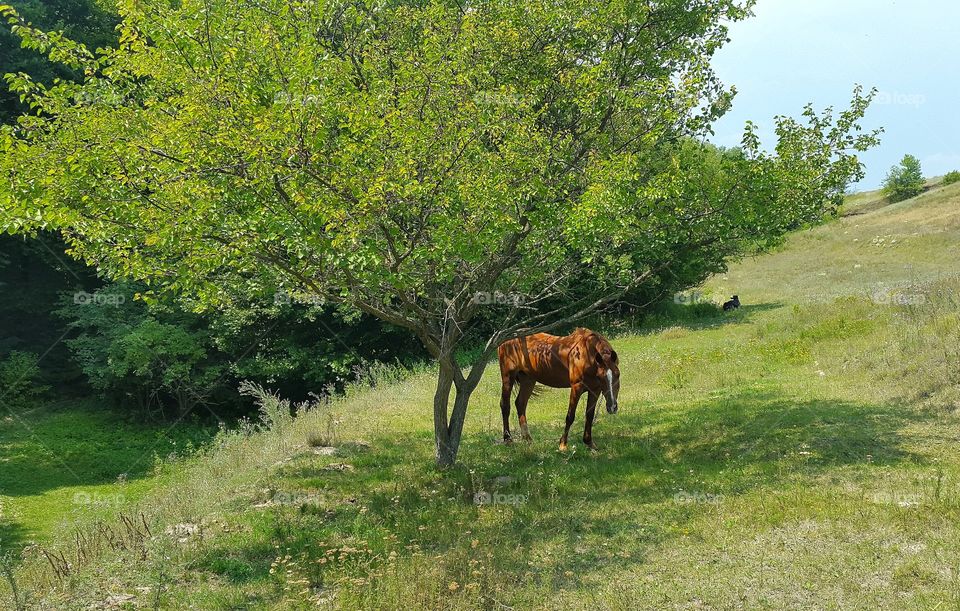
(526, 389)
(575, 392)
(505, 405)
(592, 399)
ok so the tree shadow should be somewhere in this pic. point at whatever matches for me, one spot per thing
(753, 431)
(656, 472)
(79, 448)
(13, 536)
(678, 318)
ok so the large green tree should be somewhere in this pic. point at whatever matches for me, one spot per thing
(414, 160)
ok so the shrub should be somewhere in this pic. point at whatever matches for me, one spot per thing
(20, 379)
(951, 177)
(165, 360)
(154, 359)
(905, 180)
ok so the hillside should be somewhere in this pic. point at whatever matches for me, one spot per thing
(798, 453)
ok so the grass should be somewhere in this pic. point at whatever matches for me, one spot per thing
(800, 452)
(64, 460)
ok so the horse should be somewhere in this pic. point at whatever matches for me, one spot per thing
(583, 361)
(733, 304)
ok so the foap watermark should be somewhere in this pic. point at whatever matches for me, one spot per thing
(900, 499)
(884, 296)
(494, 98)
(284, 98)
(297, 498)
(897, 98)
(498, 498)
(98, 499)
(284, 298)
(497, 298)
(98, 299)
(697, 498)
(689, 298)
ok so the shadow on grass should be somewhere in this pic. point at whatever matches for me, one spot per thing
(79, 445)
(690, 317)
(657, 471)
(74, 445)
(12, 536)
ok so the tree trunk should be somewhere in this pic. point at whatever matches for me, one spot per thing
(444, 453)
(448, 427)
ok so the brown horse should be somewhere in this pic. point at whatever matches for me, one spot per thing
(583, 361)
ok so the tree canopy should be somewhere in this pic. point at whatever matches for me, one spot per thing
(412, 159)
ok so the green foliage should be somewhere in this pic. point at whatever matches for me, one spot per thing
(742, 434)
(951, 177)
(85, 21)
(386, 202)
(125, 351)
(404, 160)
(34, 273)
(159, 356)
(905, 180)
(20, 380)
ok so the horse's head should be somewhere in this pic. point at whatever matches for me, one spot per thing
(609, 368)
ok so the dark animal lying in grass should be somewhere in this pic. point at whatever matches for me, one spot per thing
(583, 361)
(733, 304)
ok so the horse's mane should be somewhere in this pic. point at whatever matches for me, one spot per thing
(586, 335)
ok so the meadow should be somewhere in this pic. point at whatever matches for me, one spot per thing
(800, 452)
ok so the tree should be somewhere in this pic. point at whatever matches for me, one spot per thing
(82, 20)
(422, 162)
(905, 180)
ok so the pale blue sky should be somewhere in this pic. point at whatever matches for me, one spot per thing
(798, 51)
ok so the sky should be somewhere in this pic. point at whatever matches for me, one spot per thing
(797, 51)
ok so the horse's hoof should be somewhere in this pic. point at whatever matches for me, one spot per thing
(528, 439)
(563, 447)
(507, 441)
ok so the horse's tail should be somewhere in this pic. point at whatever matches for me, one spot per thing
(515, 390)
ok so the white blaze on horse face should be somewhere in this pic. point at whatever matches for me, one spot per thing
(612, 401)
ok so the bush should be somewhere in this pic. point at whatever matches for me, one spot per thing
(154, 359)
(20, 379)
(165, 360)
(905, 180)
(951, 177)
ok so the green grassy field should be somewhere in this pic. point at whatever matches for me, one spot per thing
(801, 452)
(63, 460)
